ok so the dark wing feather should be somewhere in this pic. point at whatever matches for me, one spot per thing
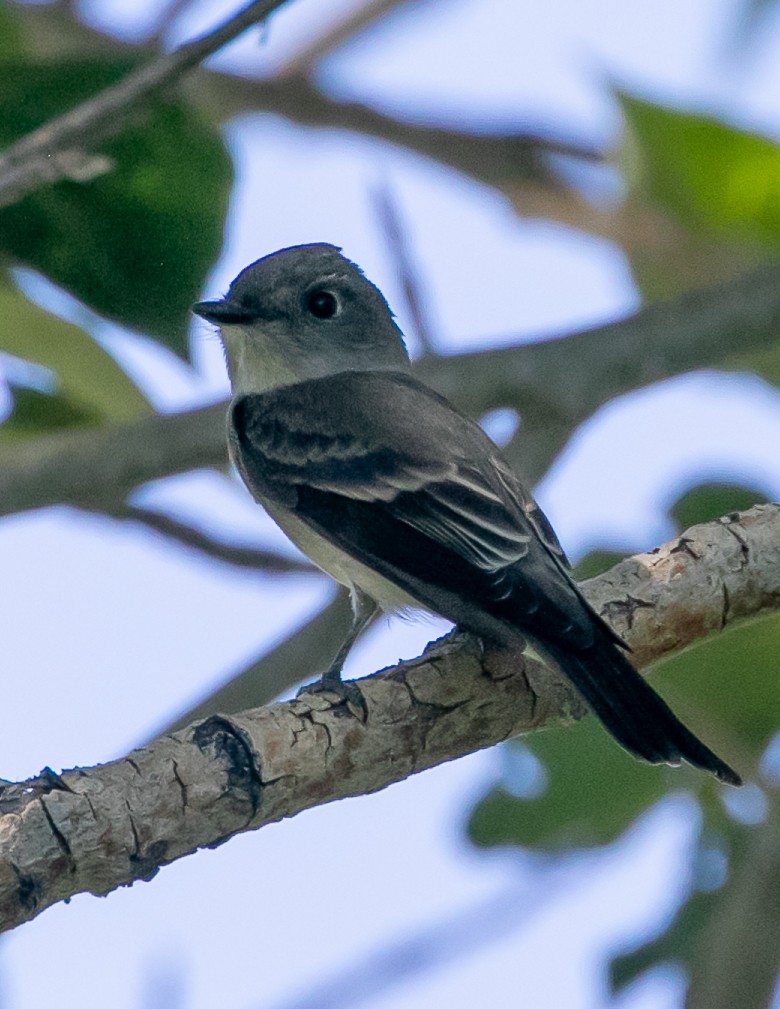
(338, 438)
(326, 446)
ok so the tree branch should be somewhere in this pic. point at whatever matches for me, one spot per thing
(425, 950)
(59, 149)
(553, 384)
(187, 536)
(557, 384)
(736, 960)
(567, 377)
(96, 469)
(99, 828)
(343, 30)
(47, 154)
(519, 161)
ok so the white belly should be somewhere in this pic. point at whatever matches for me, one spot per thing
(340, 565)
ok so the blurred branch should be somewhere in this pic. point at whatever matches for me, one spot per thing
(554, 385)
(395, 237)
(569, 376)
(168, 17)
(186, 535)
(424, 950)
(739, 954)
(96, 469)
(534, 448)
(557, 384)
(93, 829)
(337, 34)
(518, 163)
(301, 656)
(518, 158)
(50, 152)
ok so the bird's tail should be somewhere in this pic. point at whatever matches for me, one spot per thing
(632, 711)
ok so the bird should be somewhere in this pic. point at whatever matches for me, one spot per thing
(403, 499)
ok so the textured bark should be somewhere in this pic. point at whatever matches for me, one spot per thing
(711, 576)
(93, 829)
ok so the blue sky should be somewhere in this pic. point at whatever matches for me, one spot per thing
(125, 632)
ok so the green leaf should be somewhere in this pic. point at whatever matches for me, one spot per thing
(35, 412)
(135, 243)
(726, 688)
(688, 932)
(709, 176)
(89, 379)
(596, 562)
(10, 37)
(708, 502)
(764, 362)
(595, 791)
(676, 944)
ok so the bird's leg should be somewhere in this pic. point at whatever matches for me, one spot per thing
(363, 610)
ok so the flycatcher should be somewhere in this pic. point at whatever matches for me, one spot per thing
(398, 496)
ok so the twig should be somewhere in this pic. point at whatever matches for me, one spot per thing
(461, 935)
(46, 154)
(390, 219)
(518, 162)
(303, 655)
(93, 829)
(186, 535)
(354, 21)
(494, 159)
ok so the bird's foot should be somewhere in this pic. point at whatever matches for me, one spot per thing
(349, 693)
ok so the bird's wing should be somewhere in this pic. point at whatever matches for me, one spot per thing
(358, 435)
(387, 470)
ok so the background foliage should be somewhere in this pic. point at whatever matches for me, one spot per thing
(132, 234)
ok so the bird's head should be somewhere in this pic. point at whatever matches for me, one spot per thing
(300, 313)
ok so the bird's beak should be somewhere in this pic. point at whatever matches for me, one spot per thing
(224, 313)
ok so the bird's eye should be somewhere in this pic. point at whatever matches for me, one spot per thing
(322, 304)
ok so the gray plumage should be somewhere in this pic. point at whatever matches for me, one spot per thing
(399, 496)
